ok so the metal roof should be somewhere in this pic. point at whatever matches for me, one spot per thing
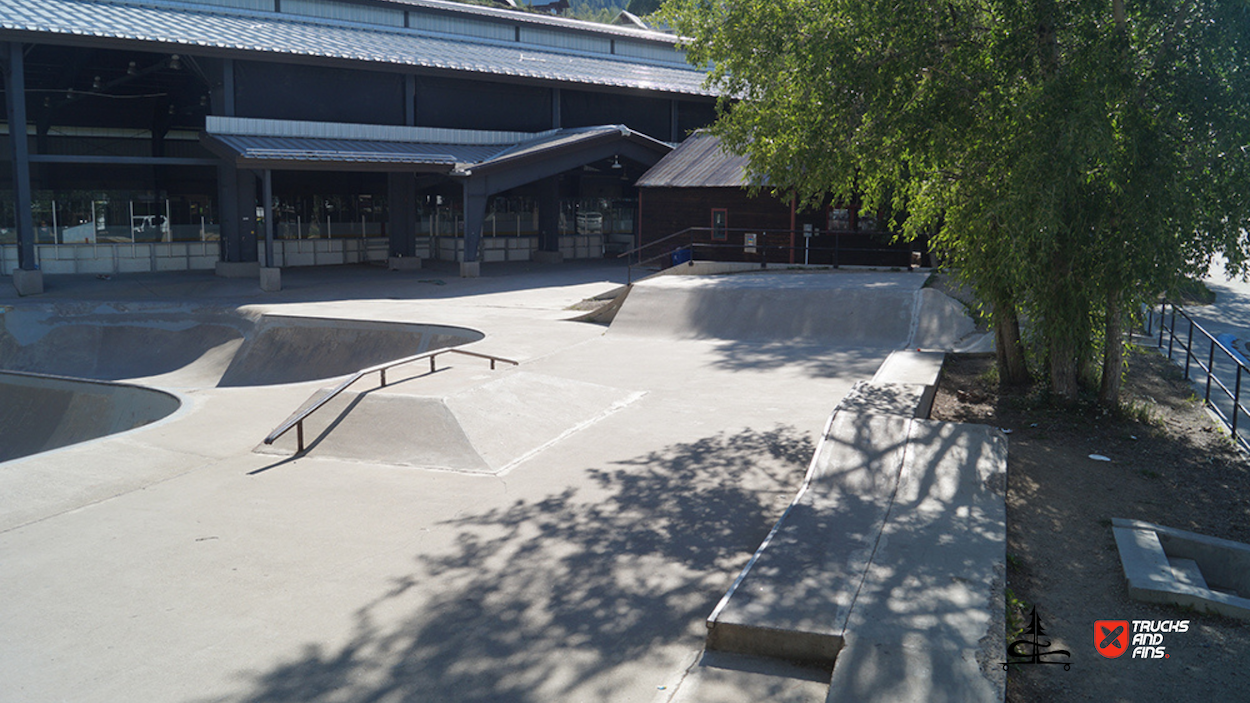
(259, 127)
(225, 29)
(698, 162)
(253, 143)
(557, 140)
(631, 31)
(256, 149)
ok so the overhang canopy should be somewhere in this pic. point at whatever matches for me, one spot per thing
(496, 160)
(302, 153)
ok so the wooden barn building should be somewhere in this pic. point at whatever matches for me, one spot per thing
(697, 199)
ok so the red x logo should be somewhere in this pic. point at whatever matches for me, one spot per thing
(1111, 637)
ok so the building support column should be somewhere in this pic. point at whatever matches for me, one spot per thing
(474, 217)
(401, 195)
(236, 191)
(267, 201)
(549, 221)
(270, 275)
(228, 211)
(27, 278)
(246, 195)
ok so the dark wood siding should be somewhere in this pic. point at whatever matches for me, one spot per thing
(666, 211)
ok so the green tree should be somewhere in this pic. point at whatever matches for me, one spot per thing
(642, 8)
(1071, 158)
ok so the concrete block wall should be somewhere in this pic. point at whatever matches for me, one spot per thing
(582, 246)
(54, 259)
(494, 249)
(327, 252)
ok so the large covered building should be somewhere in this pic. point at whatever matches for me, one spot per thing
(230, 134)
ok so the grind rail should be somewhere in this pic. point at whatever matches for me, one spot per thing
(297, 421)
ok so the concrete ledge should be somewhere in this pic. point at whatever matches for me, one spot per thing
(238, 269)
(404, 263)
(901, 399)
(792, 599)
(889, 565)
(927, 624)
(906, 366)
(548, 257)
(470, 269)
(1167, 565)
(28, 282)
(270, 279)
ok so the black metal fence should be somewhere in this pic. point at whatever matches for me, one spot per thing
(763, 248)
(1230, 363)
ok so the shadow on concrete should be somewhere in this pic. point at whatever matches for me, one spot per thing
(817, 359)
(543, 599)
(927, 624)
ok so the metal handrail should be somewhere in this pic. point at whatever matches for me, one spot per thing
(1234, 394)
(298, 421)
(661, 240)
(761, 249)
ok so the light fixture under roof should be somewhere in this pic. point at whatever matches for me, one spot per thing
(616, 162)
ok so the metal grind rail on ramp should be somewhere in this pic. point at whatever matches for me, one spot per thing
(298, 420)
(1167, 327)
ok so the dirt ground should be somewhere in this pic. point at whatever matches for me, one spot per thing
(1171, 464)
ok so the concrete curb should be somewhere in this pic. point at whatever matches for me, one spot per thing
(1167, 565)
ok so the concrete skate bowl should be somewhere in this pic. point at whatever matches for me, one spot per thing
(41, 413)
(796, 310)
(203, 348)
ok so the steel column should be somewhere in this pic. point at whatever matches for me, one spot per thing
(267, 196)
(15, 104)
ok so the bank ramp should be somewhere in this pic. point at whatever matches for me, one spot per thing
(457, 420)
(869, 309)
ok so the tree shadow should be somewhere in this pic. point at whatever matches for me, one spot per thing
(542, 599)
(813, 358)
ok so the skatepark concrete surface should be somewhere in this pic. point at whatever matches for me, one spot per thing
(555, 531)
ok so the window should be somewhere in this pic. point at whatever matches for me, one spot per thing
(839, 219)
(720, 224)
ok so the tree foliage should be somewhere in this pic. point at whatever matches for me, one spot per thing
(1070, 158)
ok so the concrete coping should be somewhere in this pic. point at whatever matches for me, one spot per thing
(1167, 565)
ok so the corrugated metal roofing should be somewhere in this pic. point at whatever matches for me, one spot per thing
(257, 127)
(563, 138)
(239, 30)
(284, 140)
(698, 162)
(260, 148)
(535, 18)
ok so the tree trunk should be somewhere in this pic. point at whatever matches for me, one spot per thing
(1063, 369)
(1012, 369)
(1113, 354)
